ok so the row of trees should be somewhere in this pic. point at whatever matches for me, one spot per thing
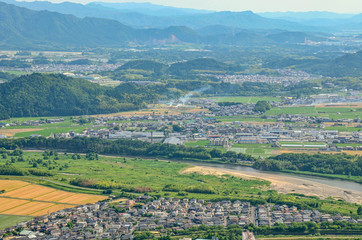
(235, 231)
(124, 147)
(342, 164)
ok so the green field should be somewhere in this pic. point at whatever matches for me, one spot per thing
(48, 128)
(48, 131)
(200, 143)
(255, 150)
(247, 99)
(132, 173)
(10, 220)
(344, 129)
(151, 176)
(329, 112)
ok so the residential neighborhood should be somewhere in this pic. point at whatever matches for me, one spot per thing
(162, 217)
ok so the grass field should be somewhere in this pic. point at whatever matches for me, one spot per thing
(132, 173)
(137, 176)
(329, 112)
(200, 143)
(44, 129)
(255, 150)
(11, 220)
(246, 99)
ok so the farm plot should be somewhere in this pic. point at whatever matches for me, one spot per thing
(9, 185)
(82, 199)
(25, 199)
(28, 208)
(8, 203)
(28, 192)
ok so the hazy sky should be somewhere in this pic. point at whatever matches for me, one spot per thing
(346, 6)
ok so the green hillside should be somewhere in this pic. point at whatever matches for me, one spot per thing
(58, 95)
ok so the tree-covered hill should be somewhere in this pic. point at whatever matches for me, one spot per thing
(348, 65)
(200, 64)
(146, 65)
(58, 95)
(152, 70)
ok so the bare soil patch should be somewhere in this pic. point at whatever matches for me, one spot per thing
(283, 184)
(12, 132)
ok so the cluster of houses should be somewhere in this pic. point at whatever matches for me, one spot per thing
(205, 125)
(199, 126)
(162, 217)
(282, 76)
(32, 122)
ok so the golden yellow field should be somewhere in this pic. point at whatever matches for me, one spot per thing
(55, 196)
(28, 192)
(8, 185)
(83, 199)
(22, 198)
(28, 208)
(8, 203)
(49, 210)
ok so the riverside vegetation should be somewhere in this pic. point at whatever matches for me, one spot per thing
(127, 176)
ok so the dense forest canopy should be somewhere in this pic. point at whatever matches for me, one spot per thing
(58, 95)
(342, 164)
(124, 147)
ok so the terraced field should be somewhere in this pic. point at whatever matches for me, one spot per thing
(26, 199)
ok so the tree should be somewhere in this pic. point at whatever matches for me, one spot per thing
(262, 106)
(176, 128)
(359, 210)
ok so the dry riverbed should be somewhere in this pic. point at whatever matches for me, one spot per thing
(284, 184)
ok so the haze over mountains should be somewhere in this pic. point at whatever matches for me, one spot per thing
(44, 25)
(147, 15)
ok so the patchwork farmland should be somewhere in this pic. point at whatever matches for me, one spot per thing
(26, 199)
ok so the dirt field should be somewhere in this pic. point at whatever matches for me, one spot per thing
(158, 110)
(12, 132)
(341, 105)
(311, 151)
(22, 198)
(284, 184)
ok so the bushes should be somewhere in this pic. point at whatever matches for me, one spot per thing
(40, 172)
(94, 146)
(15, 171)
(189, 189)
(320, 163)
(11, 170)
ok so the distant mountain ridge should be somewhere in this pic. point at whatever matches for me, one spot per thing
(149, 16)
(21, 28)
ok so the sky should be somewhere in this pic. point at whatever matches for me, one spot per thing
(341, 6)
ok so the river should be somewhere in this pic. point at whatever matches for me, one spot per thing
(346, 185)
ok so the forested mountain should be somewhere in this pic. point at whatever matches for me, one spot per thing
(348, 65)
(150, 9)
(58, 95)
(21, 28)
(145, 15)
